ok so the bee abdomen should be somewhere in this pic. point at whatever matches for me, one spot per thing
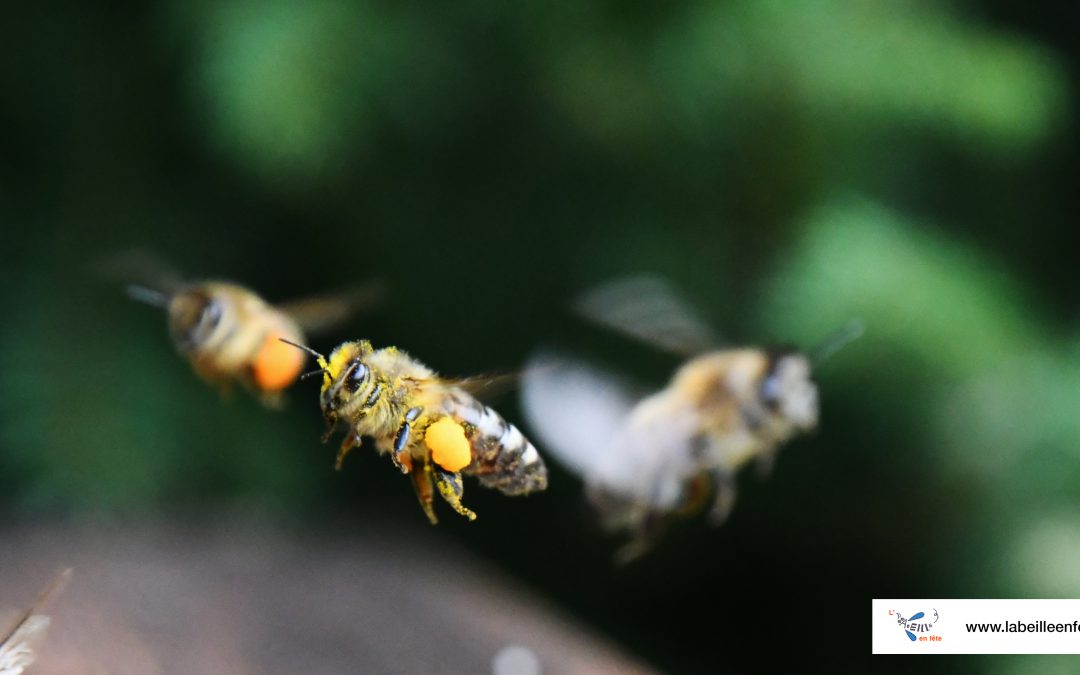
(502, 458)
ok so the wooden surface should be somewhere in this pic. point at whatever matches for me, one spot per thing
(242, 597)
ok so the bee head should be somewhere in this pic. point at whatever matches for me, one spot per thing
(196, 318)
(347, 379)
(788, 390)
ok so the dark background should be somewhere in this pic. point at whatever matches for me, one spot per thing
(786, 165)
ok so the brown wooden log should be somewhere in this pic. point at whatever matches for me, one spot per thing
(243, 597)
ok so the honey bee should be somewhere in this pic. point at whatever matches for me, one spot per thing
(230, 334)
(646, 459)
(434, 429)
(17, 643)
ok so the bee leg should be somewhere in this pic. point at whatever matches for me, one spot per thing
(351, 440)
(724, 485)
(451, 487)
(695, 495)
(422, 484)
(331, 425)
(401, 440)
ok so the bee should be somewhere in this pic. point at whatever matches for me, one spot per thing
(17, 650)
(433, 428)
(647, 459)
(230, 334)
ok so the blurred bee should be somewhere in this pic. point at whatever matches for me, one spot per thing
(432, 428)
(648, 459)
(17, 643)
(230, 334)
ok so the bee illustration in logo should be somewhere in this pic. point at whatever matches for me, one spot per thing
(230, 334)
(912, 623)
(18, 643)
(646, 459)
(433, 428)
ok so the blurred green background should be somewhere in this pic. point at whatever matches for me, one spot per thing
(789, 165)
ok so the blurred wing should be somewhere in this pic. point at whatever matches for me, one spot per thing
(142, 269)
(486, 387)
(851, 331)
(648, 309)
(318, 314)
(575, 411)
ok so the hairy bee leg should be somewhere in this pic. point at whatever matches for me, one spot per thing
(422, 484)
(451, 487)
(695, 495)
(401, 440)
(401, 461)
(329, 432)
(350, 441)
(724, 485)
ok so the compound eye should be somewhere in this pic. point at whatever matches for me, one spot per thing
(195, 320)
(770, 391)
(358, 374)
(210, 316)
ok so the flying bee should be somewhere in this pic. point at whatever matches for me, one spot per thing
(229, 333)
(646, 459)
(434, 429)
(18, 644)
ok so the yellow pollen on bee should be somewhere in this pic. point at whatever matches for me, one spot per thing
(338, 360)
(449, 447)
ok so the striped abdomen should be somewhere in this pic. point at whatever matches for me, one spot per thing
(502, 457)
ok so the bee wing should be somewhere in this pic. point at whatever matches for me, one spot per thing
(149, 277)
(648, 309)
(489, 386)
(574, 409)
(486, 387)
(320, 313)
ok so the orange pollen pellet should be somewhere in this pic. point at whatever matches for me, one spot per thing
(276, 365)
(449, 447)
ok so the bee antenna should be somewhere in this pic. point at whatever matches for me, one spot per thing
(148, 296)
(309, 350)
(838, 340)
(311, 373)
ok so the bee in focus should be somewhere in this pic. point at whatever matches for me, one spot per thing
(230, 334)
(18, 644)
(434, 429)
(647, 459)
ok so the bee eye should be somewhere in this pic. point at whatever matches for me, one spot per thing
(210, 316)
(194, 320)
(356, 377)
(770, 391)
